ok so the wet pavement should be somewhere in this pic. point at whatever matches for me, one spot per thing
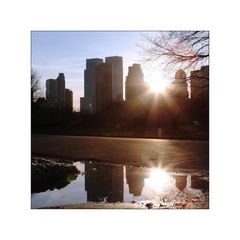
(138, 151)
(106, 185)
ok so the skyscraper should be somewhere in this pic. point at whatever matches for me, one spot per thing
(200, 95)
(117, 77)
(69, 100)
(55, 92)
(135, 85)
(88, 102)
(52, 92)
(103, 86)
(57, 96)
(82, 104)
(200, 83)
(179, 88)
(61, 90)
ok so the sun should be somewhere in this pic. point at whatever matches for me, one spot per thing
(157, 84)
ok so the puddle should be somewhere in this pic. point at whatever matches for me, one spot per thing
(107, 183)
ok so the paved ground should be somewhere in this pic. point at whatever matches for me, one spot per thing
(169, 153)
(193, 204)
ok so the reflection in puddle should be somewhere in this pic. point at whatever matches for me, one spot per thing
(181, 182)
(103, 182)
(98, 182)
(158, 180)
(135, 179)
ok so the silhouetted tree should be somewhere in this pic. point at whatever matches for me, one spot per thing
(177, 49)
(188, 50)
(36, 90)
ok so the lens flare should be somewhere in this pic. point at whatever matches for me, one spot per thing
(158, 180)
(157, 85)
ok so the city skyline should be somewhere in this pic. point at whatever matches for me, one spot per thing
(143, 126)
(55, 52)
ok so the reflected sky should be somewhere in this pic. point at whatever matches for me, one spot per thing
(99, 182)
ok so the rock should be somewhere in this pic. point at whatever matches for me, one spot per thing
(149, 205)
(163, 205)
(180, 204)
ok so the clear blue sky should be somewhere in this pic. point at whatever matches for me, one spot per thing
(55, 52)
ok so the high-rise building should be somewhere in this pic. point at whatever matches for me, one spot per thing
(103, 86)
(52, 92)
(88, 102)
(179, 86)
(200, 83)
(69, 100)
(117, 77)
(56, 93)
(82, 104)
(61, 90)
(200, 95)
(135, 85)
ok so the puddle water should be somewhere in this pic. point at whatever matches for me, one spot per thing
(98, 182)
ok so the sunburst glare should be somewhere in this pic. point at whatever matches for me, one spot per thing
(157, 85)
(157, 82)
(158, 180)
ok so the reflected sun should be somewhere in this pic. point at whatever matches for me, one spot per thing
(158, 179)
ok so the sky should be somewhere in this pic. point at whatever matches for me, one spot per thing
(66, 52)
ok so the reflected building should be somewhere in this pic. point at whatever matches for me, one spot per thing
(117, 77)
(135, 179)
(198, 182)
(181, 182)
(103, 182)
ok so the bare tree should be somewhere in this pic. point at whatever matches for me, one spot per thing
(176, 49)
(36, 90)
